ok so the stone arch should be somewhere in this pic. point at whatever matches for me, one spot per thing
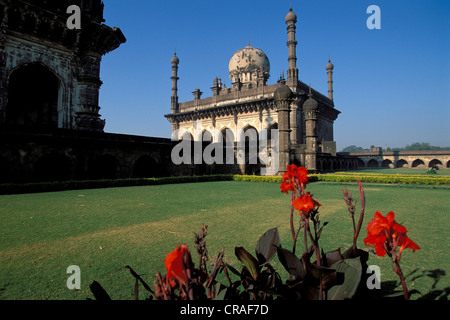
(187, 136)
(435, 163)
(270, 134)
(5, 171)
(34, 97)
(226, 138)
(52, 167)
(361, 163)
(387, 164)
(105, 166)
(147, 167)
(249, 140)
(207, 136)
(249, 136)
(401, 164)
(325, 165)
(418, 163)
(373, 163)
(448, 164)
(319, 165)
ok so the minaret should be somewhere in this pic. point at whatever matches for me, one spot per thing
(330, 68)
(174, 98)
(292, 72)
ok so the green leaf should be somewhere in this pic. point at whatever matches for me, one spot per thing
(291, 263)
(332, 257)
(248, 260)
(221, 291)
(352, 270)
(326, 275)
(267, 246)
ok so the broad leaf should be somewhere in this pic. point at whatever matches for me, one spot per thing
(352, 270)
(248, 260)
(362, 254)
(332, 257)
(99, 293)
(324, 274)
(291, 263)
(267, 246)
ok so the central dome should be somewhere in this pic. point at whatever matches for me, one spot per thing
(249, 65)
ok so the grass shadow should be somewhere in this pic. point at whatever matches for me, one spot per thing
(392, 289)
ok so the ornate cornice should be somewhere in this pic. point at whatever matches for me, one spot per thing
(47, 21)
(223, 111)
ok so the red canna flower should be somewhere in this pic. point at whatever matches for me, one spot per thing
(176, 262)
(294, 178)
(305, 203)
(286, 187)
(385, 235)
(302, 175)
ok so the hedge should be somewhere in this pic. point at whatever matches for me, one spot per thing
(37, 187)
(384, 178)
(13, 188)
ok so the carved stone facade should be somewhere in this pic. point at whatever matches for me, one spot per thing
(49, 74)
(250, 103)
(50, 126)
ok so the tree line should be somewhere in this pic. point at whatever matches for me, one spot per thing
(417, 146)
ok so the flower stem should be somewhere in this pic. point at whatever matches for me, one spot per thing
(399, 272)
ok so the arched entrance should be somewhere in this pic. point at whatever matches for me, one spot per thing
(52, 167)
(418, 163)
(387, 164)
(401, 164)
(104, 167)
(147, 167)
(33, 92)
(372, 163)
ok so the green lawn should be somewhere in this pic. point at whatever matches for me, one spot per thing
(103, 230)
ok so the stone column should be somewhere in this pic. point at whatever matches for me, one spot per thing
(283, 98)
(310, 111)
(87, 88)
(294, 122)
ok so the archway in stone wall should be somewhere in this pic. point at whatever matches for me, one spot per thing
(435, 163)
(226, 139)
(33, 95)
(147, 167)
(5, 173)
(401, 164)
(319, 165)
(372, 163)
(387, 164)
(52, 167)
(104, 167)
(448, 164)
(250, 137)
(361, 164)
(418, 163)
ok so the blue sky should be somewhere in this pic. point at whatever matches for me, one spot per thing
(392, 85)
